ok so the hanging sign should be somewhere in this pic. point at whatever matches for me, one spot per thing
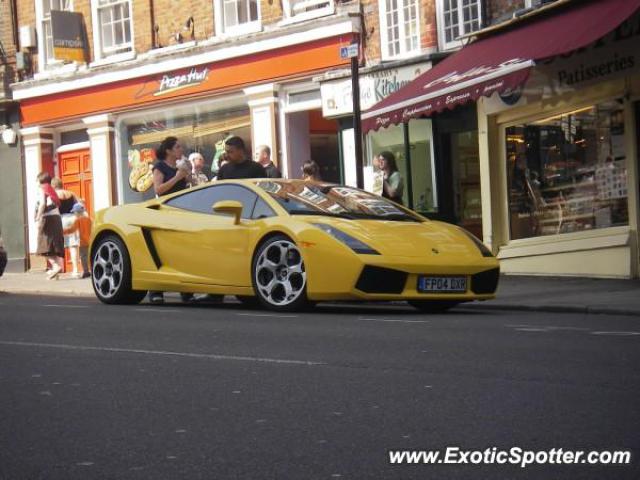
(69, 40)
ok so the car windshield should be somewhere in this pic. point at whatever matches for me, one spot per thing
(307, 198)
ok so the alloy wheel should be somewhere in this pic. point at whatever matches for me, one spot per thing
(108, 267)
(280, 274)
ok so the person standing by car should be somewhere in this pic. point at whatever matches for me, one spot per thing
(168, 178)
(198, 177)
(311, 172)
(263, 157)
(392, 184)
(239, 165)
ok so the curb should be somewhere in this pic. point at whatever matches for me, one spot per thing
(488, 305)
(48, 293)
(587, 310)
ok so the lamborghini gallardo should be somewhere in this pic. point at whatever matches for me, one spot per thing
(286, 244)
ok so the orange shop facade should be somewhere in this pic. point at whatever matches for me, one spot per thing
(97, 130)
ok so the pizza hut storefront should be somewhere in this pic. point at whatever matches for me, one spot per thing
(98, 131)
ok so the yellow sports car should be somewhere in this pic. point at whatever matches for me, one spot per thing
(284, 244)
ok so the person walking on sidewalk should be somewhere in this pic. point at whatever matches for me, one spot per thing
(50, 236)
(81, 228)
(168, 178)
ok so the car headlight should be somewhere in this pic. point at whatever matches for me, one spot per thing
(481, 246)
(353, 243)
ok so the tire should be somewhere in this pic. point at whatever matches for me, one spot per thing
(111, 273)
(432, 306)
(278, 275)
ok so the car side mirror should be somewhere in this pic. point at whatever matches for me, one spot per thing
(229, 207)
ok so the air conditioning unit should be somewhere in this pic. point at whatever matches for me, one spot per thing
(28, 37)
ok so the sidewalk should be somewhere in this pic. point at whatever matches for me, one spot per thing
(547, 294)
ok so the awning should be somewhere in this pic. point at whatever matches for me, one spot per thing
(501, 62)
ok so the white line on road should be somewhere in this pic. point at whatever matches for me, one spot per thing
(617, 334)
(276, 315)
(158, 310)
(66, 306)
(171, 354)
(391, 320)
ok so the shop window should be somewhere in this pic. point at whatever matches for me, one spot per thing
(399, 28)
(199, 128)
(568, 173)
(112, 26)
(418, 171)
(236, 17)
(45, 33)
(202, 200)
(306, 9)
(465, 169)
(457, 18)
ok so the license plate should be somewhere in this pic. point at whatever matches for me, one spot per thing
(442, 284)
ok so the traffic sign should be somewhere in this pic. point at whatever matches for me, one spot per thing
(349, 51)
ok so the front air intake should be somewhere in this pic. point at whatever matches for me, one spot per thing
(381, 280)
(485, 282)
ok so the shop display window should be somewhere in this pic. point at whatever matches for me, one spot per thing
(465, 166)
(568, 173)
(198, 129)
(418, 172)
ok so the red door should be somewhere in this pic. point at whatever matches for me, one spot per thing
(76, 176)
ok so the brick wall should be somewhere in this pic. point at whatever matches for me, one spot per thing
(371, 18)
(171, 17)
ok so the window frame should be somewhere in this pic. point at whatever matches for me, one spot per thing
(241, 29)
(43, 64)
(251, 213)
(98, 47)
(291, 17)
(384, 32)
(442, 42)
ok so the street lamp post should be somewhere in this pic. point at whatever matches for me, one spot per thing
(352, 52)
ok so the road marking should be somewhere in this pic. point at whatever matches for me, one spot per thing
(547, 327)
(265, 315)
(209, 356)
(391, 320)
(158, 310)
(617, 334)
(66, 306)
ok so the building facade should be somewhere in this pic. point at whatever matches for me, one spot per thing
(543, 135)
(93, 110)
(12, 214)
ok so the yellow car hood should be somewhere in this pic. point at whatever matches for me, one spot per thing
(406, 239)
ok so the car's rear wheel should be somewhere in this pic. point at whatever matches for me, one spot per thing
(111, 273)
(432, 306)
(279, 276)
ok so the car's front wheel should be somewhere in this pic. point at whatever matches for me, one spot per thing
(111, 273)
(279, 276)
(432, 306)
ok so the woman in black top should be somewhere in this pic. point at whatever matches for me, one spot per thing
(167, 178)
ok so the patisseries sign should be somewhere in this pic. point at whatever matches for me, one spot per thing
(171, 83)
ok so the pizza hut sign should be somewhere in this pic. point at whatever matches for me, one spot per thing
(171, 83)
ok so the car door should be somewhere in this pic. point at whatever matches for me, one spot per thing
(205, 247)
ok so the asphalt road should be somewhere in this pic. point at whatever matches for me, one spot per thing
(89, 391)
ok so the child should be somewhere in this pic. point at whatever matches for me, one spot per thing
(81, 225)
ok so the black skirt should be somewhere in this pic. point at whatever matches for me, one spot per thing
(50, 237)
